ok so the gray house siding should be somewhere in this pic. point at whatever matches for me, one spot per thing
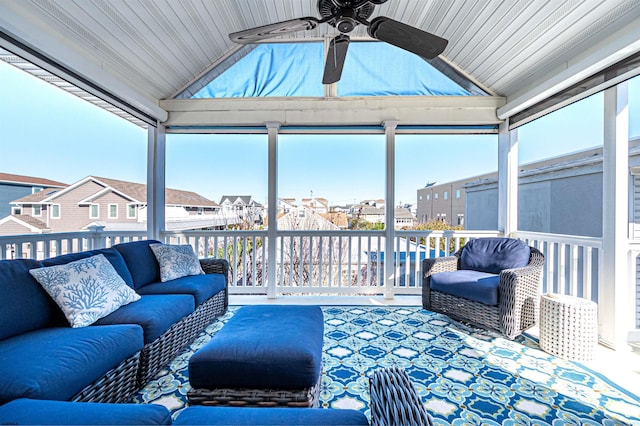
(8, 193)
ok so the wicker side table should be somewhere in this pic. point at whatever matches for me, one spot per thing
(568, 326)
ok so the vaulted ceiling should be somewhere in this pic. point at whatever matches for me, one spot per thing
(145, 52)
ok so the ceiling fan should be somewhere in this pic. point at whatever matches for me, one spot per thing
(345, 15)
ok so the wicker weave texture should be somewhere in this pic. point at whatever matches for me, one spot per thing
(308, 397)
(117, 385)
(394, 401)
(518, 297)
(568, 326)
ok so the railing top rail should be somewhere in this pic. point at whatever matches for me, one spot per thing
(594, 242)
(447, 233)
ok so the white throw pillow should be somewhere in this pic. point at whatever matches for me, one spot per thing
(86, 289)
(176, 261)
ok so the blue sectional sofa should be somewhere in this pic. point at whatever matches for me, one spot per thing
(43, 357)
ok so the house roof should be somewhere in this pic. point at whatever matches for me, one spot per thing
(29, 181)
(25, 220)
(245, 199)
(521, 51)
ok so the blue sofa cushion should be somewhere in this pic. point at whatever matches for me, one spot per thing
(111, 254)
(25, 304)
(479, 286)
(57, 363)
(262, 347)
(38, 412)
(492, 255)
(201, 287)
(141, 261)
(250, 416)
(154, 313)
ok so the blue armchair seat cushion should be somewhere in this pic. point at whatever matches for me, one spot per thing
(201, 287)
(154, 313)
(26, 306)
(39, 412)
(57, 363)
(262, 347)
(473, 285)
(492, 255)
(141, 261)
(251, 416)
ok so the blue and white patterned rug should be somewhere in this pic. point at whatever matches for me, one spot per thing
(464, 376)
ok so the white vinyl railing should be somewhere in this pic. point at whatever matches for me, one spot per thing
(332, 262)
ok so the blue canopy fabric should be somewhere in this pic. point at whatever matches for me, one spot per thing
(295, 69)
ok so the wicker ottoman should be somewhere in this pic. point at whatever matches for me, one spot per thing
(568, 326)
(263, 356)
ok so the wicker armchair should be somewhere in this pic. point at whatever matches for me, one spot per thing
(518, 296)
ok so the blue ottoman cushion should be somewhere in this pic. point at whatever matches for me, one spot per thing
(473, 285)
(262, 347)
(201, 287)
(57, 363)
(154, 313)
(38, 412)
(492, 255)
(248, 416)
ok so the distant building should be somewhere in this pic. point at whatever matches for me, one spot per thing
(249, 210)
(112, 204)
(17, 186)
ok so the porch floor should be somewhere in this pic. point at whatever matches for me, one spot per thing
(621, 367)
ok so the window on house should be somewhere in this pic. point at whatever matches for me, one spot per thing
(435, 196)
(113, 211)
(131, 211)
(445, 195)
(421, 198)
(55, 211)
(460, 219)
(16, 210)
(94, 211)
(35, 189)
(428, 197)
(457, 193)
(37, 210)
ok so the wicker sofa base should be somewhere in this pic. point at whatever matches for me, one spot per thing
(117, 385)
(160, 352)
(308, 397)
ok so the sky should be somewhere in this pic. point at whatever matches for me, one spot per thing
(51, 134)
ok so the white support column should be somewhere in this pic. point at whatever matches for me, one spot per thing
(615, 292)
(272, 212)
(390, 201)
(507, 179)
(156, 153)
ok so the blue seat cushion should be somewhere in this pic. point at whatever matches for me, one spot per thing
(141, 261)
(251, 416)
(473, 285)
(201, 287)
(25, 304)
(112, 255)
(492, 255)
(57, 363)
(154, 313)
(39, 412)
(262, 347)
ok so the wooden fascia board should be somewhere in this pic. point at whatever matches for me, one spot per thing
(346, 111)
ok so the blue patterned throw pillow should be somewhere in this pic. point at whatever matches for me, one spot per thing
(176, 261)
(86, 289)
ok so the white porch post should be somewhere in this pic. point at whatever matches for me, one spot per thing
(615, 293)
(389, 229)
(156, 153)
(272, 212)
(507, 179)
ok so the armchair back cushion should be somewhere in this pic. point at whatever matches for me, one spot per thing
(492, 255)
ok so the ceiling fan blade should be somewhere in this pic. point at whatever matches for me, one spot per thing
(272, 30)
(407, 37)
(335, 59)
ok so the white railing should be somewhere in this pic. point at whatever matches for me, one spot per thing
(332, 262)
(571, 264)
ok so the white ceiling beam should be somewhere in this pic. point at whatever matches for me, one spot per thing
(620, 46)
(351, 111)
(29, 30)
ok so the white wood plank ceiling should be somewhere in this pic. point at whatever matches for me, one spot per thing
(157, 47)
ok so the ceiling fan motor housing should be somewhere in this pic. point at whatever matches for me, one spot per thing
(348, 16)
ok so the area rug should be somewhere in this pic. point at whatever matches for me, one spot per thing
(464, 376)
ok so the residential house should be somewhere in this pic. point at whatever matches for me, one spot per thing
(245, 207)
(319, 205)
(16, 186)
(109, 203)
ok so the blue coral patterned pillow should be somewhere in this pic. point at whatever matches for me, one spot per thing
(86, 289)
(176, 261)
